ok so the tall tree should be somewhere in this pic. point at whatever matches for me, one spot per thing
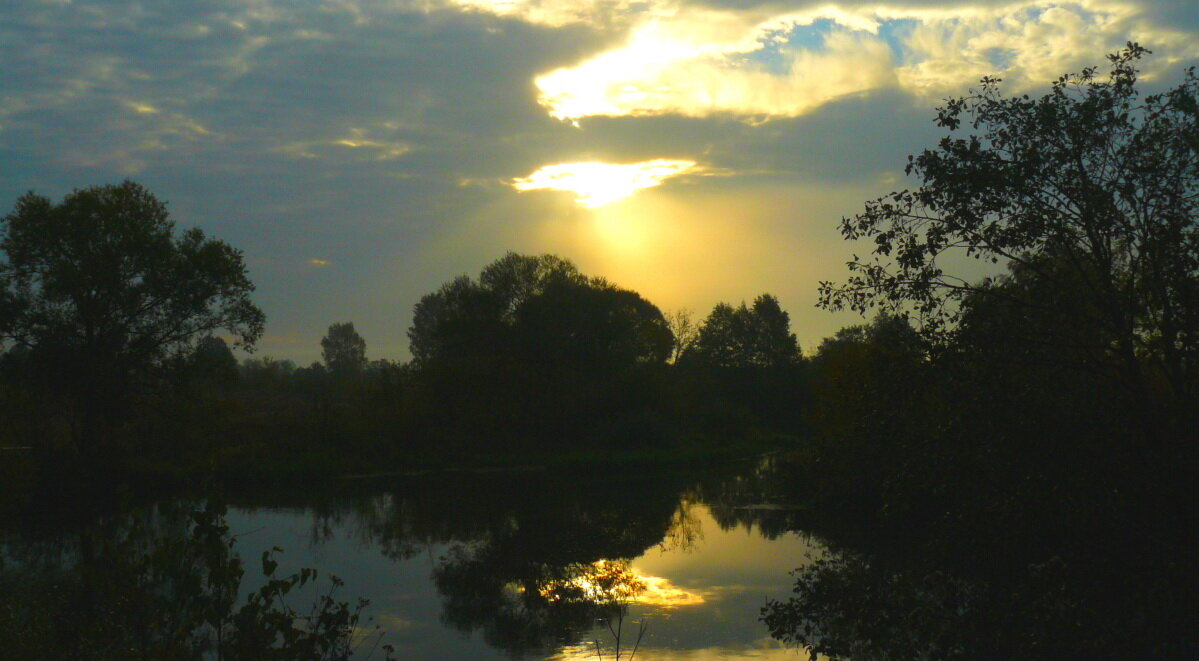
(685, 330)
(343, 349)
(100, 288)
(746, 337)
(1091, 191)
(774, 343)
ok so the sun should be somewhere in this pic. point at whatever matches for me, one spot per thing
(595, 184)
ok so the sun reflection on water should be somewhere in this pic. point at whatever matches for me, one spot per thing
(618, 582)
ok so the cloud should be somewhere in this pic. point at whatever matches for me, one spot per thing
(673, 71)
(356, 144)
(661, 591)
(558, 13)
(596, 184)
(787, 59)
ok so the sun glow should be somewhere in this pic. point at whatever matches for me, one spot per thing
(596, 184)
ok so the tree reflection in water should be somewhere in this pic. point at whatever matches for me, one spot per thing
(163, 583)
(531, 573)
(542, 577)
(531, 563)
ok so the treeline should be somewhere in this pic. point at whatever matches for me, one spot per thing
(115, 359)
(531, 362)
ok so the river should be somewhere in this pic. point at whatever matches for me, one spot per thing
(530, 564)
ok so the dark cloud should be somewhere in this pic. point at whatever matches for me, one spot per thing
(853, 139)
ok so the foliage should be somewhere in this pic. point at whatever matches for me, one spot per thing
(536, 350)
(212, 362)
(864, 406)
(514, 279)
(1090, 189)
(466, 318)
(1020, 474)
(745, 337)
(98, 290)
(591, 325)
(685, 330)
(459, 319)
(104, 271)
(343, 349)
(136, 594)
(540, 309)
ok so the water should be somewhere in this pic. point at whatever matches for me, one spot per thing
(533, 565)
(701, 597)
(537, 565)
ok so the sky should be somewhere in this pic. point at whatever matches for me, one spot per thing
(363, 152)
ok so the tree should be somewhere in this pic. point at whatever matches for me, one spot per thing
(541, 309)
(212, 361)
(774, 343)
(746, 337)
(1089, 191)
(459, 319)
(514, 278)
(683, 327)
(99, 289)
(343, 349)
(592, 324)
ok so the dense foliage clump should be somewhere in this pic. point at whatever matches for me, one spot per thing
(1019, 464)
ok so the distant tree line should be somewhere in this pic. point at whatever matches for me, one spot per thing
(116, 338)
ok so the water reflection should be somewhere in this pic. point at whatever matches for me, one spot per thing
(551, 566)
(522, 565)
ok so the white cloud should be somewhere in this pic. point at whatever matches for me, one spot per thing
(775, 61)
(596, 184)
(654, 75)
(557, 13)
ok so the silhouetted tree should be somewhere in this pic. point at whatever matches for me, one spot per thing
(535, 349)
(1089, 188)
(997, 454)
(459, 319)
(514, 279)
(213, 361)
(774, 343)
(343, 349)
(592, 324)
(746, 337)
(538, 307)
(266, 369)
(682, 325)
(99, 289)
(863, 404)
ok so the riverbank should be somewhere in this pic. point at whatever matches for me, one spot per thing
(29, 478)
